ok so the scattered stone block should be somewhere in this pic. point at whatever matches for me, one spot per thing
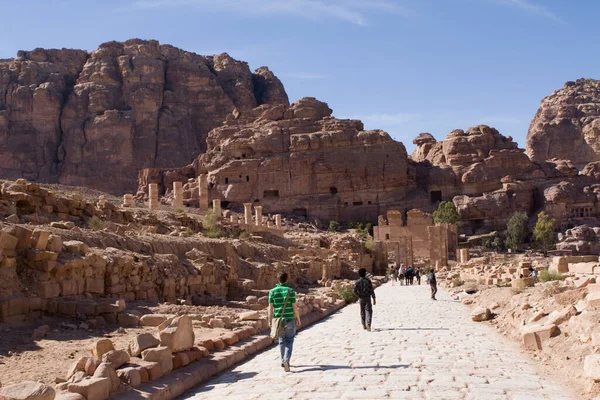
(40, 332)
(559, 317)
(92, 388)
(69, 396)
(128, 320)
(218, 344)
(107, 371)
(216, 323)
(116, 358)
(130, 376)
(142, 342)
(78, 365)
(249, 316)
(534, 335)
(27, 390)
(522, 283)
(91, 365)
(101, 347)
(152, 319)
(162, 355)
(177, 333)
(591, 367)
(481, 314)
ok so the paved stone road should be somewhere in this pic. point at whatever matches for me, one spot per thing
(419, 349)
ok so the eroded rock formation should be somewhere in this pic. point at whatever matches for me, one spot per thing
(96, 119)
(299, 159)
(567, 124)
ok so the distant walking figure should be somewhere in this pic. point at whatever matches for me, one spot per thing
(432, 283)
(363, 288)
(418, 275)
(282, 295)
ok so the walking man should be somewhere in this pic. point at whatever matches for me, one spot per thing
(282, 295)
(432, 283)
(363, 288)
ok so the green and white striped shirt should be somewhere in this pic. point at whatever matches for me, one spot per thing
(277, 298)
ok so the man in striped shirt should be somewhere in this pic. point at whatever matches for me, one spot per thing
(291, 317)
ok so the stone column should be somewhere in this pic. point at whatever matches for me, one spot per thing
(233, 218)
(217, 207)
(278, 221)
(248, 213)
(464, 255)
(258, 215)
(177, 194)
(153, 196)
(128, 200)
(203, 191)
(269, 225)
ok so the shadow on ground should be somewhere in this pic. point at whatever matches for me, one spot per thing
(310, 368)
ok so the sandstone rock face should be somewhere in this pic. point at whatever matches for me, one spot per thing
(567, 124)
(96, 118)
(299, 159)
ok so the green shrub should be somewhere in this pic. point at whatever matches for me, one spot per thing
(446, 213)
(370, 245)
(96, 224)
(211, 226)
(334, 226)
(516, 231)
(487, 243)
(497, 244)
(347, 294)
(543, 233)
(547, 276)
(179, 210)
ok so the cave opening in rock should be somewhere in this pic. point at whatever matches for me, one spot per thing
(333, 190)
(271, 194)
(435, 196)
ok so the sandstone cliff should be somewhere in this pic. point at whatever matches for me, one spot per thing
(299, 159)
(96, 118)
(567, 124)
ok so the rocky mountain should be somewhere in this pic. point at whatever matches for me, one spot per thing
(298, 159)
(95, 119)
(567, 124)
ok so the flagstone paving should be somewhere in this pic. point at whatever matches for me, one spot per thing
(418, 349)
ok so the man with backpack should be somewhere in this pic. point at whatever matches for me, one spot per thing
(363, 288)
(432, 283)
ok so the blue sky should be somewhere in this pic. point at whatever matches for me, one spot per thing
(405, 66)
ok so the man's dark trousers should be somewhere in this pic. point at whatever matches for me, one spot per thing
(366, 312)
(433, 290)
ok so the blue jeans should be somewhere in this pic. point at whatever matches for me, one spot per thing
(286, 342)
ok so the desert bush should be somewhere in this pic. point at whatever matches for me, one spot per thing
(334, 226)
(179, 210)
(547, 276)
(211, 226)
(244, 235)
(370, 245)
(543, 233)
(516, 231)
(446, 213)
(456, 282)
(347, 294)
(96, 224)
(497, 244)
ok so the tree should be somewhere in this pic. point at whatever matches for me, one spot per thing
(543, 232)
(446, 213)
(516, 231)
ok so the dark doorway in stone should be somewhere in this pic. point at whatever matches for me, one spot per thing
(225, 204)
(435, 196)
(333, 190)
(271, 194)
(300, 212)
(226, 181)
(357, 203)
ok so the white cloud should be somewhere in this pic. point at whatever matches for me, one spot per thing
(531, 7)
(353, 11)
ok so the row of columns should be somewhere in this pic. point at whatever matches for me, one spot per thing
(204, 199)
